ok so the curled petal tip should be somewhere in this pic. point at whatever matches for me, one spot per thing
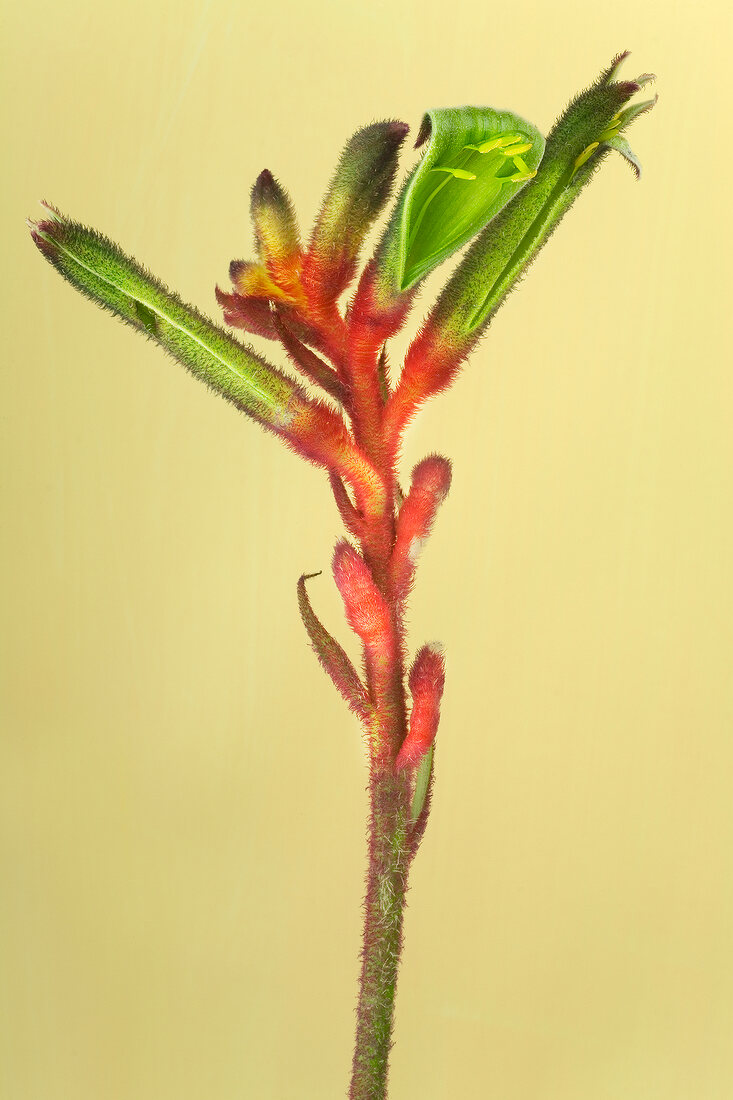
(609, 73)
(424, 132)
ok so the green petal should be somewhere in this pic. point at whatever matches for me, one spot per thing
(466, 175)
(622, 146)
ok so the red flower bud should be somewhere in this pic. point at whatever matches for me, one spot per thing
(366, 608)
(427, 679)
(431, 480)
(369, 616)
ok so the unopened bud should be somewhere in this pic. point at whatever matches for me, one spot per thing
(431, 480)
(366, 608)
(359, 189)
(276, 230)
(427, 680)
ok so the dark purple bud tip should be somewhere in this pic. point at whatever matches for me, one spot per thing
(264, 183)
(45, 234)
(264, 189)
(236, 267)
(398, 130)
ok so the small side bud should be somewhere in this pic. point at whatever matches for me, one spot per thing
(431, 480)
(359, 189)
(427, 680)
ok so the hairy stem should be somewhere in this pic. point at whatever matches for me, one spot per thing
(385, 899)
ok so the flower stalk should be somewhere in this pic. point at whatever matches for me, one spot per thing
(484, 175)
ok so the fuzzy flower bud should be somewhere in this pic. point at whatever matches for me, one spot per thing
(359, 189)
(431, 480)
(369, 616)
(276, 230)
(275, 278)
(427, 680)
(367, 610)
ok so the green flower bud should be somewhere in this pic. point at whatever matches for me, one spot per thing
(101, 270)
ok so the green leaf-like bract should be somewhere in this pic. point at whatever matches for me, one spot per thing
(100, 270)
(475, 161)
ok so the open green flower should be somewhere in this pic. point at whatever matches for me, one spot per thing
(475, 160)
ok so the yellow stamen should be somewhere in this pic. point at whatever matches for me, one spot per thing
(587, 152)
(485, 146)
(512, 150)
(458, 173)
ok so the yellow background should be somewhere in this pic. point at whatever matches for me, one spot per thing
(182, 792)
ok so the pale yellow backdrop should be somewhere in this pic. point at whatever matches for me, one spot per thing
(182, 793)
